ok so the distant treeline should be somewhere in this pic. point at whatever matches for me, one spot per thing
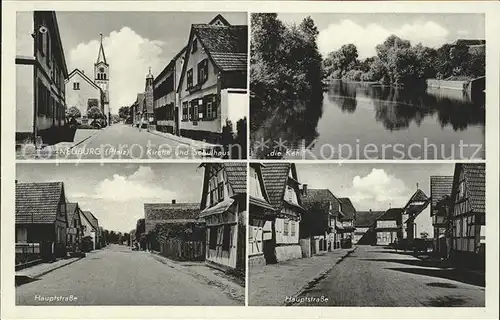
(398, 62)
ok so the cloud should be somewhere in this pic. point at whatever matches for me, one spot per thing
(129, 56)
(119, 201)
(377, 189)
(367, 37)
(138, 185)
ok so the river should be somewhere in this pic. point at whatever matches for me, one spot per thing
(366, 121)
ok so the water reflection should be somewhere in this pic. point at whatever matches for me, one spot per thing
(380, 114)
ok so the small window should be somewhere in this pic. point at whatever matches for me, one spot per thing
(292, 229)
(220, 191)
(76, 85)
(195, 46)
(190, 78)
(226, 238)
(285, 227)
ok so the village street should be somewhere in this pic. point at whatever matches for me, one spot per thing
(117, 275)
(375, 276)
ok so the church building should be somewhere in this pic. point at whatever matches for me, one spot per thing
(84, 93)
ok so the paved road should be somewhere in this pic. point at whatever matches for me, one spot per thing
(120, 141)
(373, 276)
(118, 276)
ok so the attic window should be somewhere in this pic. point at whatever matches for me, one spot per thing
(76, 85)
(195, 46)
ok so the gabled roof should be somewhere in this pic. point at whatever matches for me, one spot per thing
(275, 179)
(417, 203)
(221, 18)
(84, 76)
(275, 176)
(347, 208)
(440, 188)
(312, 196)
(38, 202)
(71, 209)
(91, 219)
(475, 180)
(226, 46)
(156, 213)
(391, 214)
(237, 176)
(365, 219)
(263, 203)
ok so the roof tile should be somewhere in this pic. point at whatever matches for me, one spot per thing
(37, 202)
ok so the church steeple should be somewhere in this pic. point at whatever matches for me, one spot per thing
(101, 57)
(149, 78)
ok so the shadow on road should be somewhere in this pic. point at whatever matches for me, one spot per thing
(20, 280)
(446, 301)
(454, 274)
(414, 262)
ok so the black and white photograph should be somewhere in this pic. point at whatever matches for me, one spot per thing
(401, 86)
(130, 234)
(367, 235)
(131, 85)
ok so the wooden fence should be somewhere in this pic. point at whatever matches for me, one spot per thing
(183, 250)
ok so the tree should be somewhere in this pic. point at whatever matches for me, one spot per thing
(95, 113)
(342, 60)
(73, 112)
(124, 112)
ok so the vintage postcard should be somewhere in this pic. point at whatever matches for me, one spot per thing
(365, 186)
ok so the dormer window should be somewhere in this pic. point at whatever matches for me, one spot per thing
(195, 46)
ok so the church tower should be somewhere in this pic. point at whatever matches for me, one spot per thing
(148, 97)
(101, 78)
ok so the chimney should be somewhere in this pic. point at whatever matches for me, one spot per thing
(304, 189)
(173, 201)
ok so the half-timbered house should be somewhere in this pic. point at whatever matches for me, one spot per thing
(75, 227)
(347, 219)
(440, 206)
(468, 213)
(223, 209)
(282, 186)
(41, 220)
(415, 223)
(389, 227)
(261, 219)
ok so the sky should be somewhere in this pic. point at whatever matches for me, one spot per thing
(116, 193)
(368, 30)
(374, 186)
(133, 42)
